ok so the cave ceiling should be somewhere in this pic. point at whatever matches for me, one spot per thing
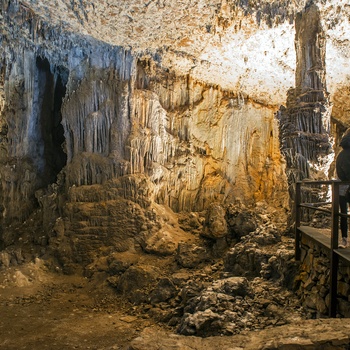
(246, 46)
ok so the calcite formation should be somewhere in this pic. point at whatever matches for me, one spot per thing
(109, 108)
(305, 130)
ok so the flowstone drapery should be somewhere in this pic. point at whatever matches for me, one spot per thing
(82, 112)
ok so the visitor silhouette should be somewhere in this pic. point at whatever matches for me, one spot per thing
(343, 172)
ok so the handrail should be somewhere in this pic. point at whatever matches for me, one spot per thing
(335, 215)
(309, 206)
(318, 204)
(323, 182)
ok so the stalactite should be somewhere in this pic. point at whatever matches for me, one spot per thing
(69, 57)
(125, 116)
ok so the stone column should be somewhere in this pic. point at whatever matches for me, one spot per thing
(305, 121)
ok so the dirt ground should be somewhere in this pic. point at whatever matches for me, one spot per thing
(43, 310)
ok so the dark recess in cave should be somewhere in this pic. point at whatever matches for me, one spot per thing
(52, 91)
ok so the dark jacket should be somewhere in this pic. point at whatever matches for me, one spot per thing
(343, 165)
(343, 159)
(345, 141)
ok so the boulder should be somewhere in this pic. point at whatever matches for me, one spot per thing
(234, 286)
(191, 255)
(160, 243)
(215, 222)
(241, 221)
(164, 290)
(135, 282)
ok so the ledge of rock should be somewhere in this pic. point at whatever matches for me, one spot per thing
(330, 334)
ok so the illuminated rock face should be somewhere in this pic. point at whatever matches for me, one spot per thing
(184, 95)
(193, 140)
(122, 116)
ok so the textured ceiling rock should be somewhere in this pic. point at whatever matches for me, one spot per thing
(241, 45)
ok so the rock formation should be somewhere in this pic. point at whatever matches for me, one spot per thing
(167, 129)
(101, 110)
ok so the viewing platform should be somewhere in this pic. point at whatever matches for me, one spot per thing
(325, 237)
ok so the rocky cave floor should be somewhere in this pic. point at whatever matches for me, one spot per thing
(45, 310)
(192, 304)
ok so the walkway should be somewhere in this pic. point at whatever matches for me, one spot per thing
(330, 240)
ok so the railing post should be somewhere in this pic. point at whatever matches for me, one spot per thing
(297, 234)
(334, 245)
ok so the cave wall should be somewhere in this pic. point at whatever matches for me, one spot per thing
(77, 111)
(223, 146)
(124, 115)
(31, 154)
(197, 143)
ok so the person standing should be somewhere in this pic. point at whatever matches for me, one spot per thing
(343, 172)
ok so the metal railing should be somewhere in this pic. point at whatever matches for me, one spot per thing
(334, 237)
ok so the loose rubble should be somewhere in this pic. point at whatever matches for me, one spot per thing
(230, 285)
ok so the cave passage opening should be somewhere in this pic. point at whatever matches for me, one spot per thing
(52, 90)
